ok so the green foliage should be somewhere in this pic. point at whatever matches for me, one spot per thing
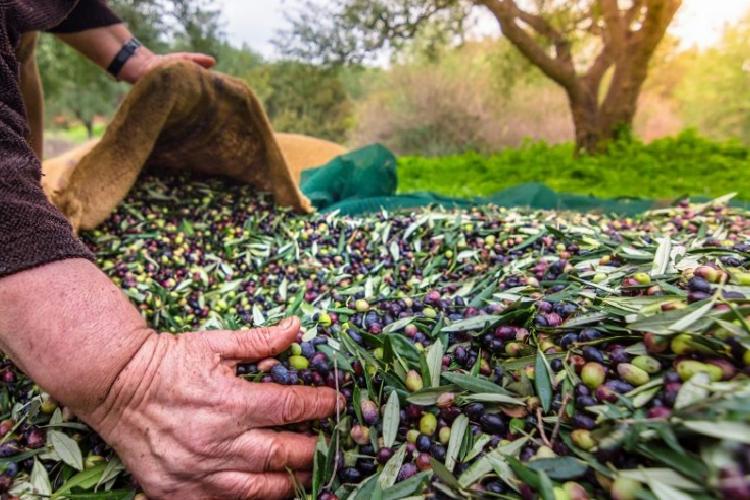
(75, 86)
(304, 99)
(664, 169)
(715, 91)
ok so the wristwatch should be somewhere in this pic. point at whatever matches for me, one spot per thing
(126, 52)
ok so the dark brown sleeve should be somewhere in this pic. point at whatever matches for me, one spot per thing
(86, 15)
(32, 231)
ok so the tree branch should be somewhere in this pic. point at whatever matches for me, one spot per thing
(559, 69)
(615, 28)
(633, 13)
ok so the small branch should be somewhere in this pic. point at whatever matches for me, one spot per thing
(561, 68)
(556, 429)
(540, 427)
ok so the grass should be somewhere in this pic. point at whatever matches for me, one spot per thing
(664, 169)
(75, 134)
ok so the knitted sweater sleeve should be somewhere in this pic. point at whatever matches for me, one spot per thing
(87, 14)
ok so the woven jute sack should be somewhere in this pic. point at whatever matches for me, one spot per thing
(180, 117)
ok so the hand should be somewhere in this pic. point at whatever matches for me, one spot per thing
(144, 61)
(186, 427)
(171, 406)
(101, 44)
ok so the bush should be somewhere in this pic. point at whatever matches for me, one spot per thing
(664, 169)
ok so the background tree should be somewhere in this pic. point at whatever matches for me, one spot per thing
(304, 99)
(719, 79)
(598, 51)
(75, 86)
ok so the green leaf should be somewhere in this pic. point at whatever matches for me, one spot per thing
(458, 429)
(546, 489)
(86, 479)
(66, 448)
(113, 469)
(731, 431)
(435, 362)
(365, 489)
(22, 456)
(560, 468)
(477, 448)
(524, 473)
(683, 462)
(391, 419)
(662, 257)
(660, 475)
(319, 459)
(542, 381)
(484, 397)
(666, 492)
(692, 318)
(692, 391)
(503, 470)
(391, 468)
(39, 479)
(483, 466)
(473, 323)
(413, 485)
(473, 384)
(446, 476)
(402, 347)
(399, 325)
(428, 397)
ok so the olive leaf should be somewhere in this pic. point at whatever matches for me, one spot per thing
(428, 397)
(693, 391)
(560, 468)
(86, 479)
(435, 362)
(391, 420)
(483, 466)
(391, 468)
(458, 429)
(731, 431)
(39, 479)
(66, 448)
(473, 323)
(493, 398)
(473, 384)
(542, 381)
(403, 489)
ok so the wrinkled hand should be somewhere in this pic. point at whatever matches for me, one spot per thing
(187, 427)
(144, 61)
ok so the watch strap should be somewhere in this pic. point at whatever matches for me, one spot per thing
(125, 53)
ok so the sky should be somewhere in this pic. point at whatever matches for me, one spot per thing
(255, 22)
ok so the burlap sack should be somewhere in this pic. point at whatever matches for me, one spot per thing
(180, 117)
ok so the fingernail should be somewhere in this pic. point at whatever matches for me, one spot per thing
(286, 322)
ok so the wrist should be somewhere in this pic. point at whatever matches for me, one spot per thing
(138, 65)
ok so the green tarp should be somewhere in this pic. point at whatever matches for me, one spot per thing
(365, 181)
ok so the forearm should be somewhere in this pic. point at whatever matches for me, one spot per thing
(70, 329)
(100, 45)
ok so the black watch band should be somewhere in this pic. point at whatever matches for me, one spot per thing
(125, 53)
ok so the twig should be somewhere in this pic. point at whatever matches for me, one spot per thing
(540, 427)
(556, 429)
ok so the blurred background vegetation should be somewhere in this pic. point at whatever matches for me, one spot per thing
(469, 116)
